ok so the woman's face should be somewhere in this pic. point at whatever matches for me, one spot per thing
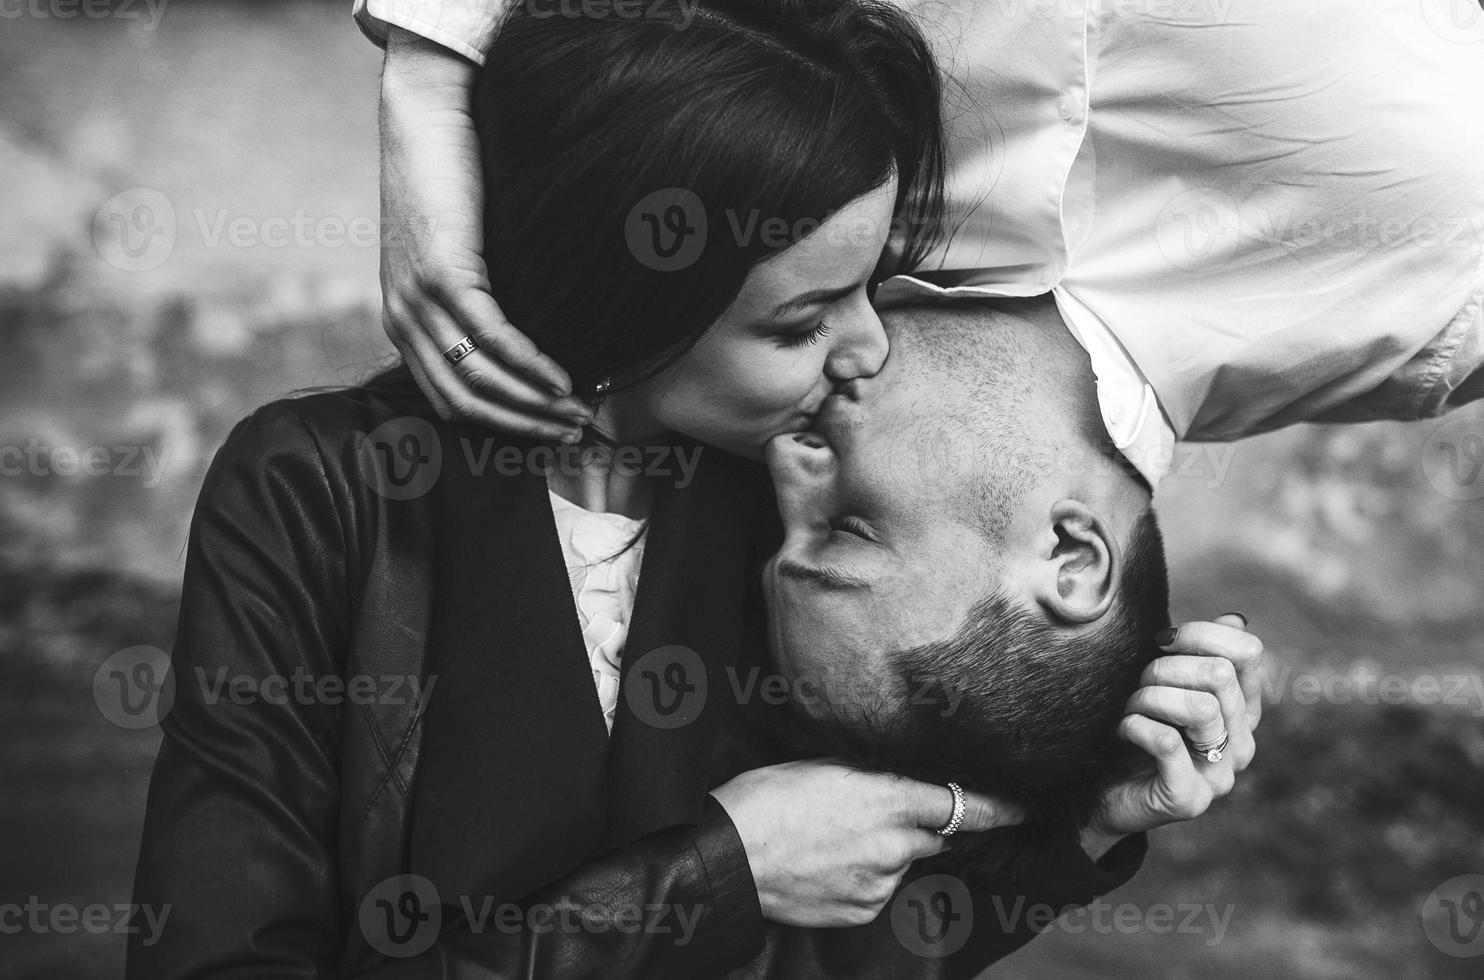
(801, 324)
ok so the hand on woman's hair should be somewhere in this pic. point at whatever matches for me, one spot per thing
(435, 287)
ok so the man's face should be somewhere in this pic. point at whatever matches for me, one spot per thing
(885, 546)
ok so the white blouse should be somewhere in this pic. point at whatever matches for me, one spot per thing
(604, 583)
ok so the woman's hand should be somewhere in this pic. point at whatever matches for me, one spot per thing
(435, 287)
(1210, 685)
(828, 845)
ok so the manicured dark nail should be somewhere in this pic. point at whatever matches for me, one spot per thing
(1240, 615)
(1166, 636)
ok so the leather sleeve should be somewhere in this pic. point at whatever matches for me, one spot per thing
(680, 903)
(1011, 910)
(241, 823)
(975, 921)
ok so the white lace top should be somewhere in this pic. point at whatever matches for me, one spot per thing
(603, 587)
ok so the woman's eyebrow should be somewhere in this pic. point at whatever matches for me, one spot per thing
(814, 297)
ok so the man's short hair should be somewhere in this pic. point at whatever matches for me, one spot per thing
(1014, 707)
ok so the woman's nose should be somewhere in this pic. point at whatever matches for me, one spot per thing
(861, 349)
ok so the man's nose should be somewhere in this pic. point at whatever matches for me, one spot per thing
(861, 351)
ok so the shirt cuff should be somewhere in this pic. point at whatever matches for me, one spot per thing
(466, 28)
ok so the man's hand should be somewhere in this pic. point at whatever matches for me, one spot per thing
(1211, 684)
(435, 288)
(828, 845)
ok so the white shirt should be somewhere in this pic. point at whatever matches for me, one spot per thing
(1250, 213)
(605, 579)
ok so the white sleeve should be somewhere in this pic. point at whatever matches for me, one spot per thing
(463, 26)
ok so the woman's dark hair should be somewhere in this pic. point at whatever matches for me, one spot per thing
(638, 159)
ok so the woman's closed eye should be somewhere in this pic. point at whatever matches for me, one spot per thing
(813, 336)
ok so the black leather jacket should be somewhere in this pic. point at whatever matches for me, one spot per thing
(353, 538)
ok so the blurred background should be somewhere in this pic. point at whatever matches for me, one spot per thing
(127, 351)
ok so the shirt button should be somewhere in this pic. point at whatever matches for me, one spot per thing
(1065, 108)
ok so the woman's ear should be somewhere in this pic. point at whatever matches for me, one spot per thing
(1082, 571)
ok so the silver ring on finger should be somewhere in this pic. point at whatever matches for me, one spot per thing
(957, 818)
(459, 351)
(1210, 751)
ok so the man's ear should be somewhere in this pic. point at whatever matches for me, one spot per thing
(1078, 580)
